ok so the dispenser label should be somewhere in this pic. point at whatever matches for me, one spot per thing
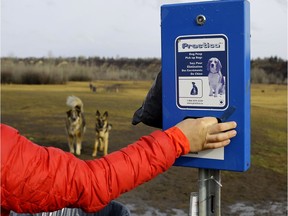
(202, 72)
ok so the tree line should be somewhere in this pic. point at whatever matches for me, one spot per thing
(60, 70)
(271, 70)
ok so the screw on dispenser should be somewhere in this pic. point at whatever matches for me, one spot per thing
(200, 19)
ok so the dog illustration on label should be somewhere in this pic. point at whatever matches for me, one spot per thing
(215, 77)
(194, 90)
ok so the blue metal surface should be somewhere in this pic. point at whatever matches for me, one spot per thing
(228, 22)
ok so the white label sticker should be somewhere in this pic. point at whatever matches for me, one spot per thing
(217, 154)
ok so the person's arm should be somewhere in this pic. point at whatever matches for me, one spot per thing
(36, 179)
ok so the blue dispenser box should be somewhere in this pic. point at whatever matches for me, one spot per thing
(206, 72)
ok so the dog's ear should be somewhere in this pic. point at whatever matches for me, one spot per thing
(69, 113)
(98, 114)
(219, 66)
(208, 65)
(105, 114)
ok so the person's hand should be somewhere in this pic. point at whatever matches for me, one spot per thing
(207, 133)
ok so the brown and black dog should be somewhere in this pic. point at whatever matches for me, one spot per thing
(102, 128)
(75, 123)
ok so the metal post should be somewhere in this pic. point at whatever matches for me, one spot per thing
(217, 190)
(202, 193)
(209, 192)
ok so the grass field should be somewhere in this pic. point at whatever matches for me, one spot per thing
(38, 111)
(269, 127)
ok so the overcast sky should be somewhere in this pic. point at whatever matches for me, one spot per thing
(115, 28)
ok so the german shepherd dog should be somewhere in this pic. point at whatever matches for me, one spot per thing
(75, 123)
(102, 128)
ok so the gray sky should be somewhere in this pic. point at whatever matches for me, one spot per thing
(115, 28)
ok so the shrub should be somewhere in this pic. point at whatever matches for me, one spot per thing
(60, 70)
(7, 77)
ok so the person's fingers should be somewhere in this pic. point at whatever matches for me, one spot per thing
(213, 138)
(217, 128)
(216, 144)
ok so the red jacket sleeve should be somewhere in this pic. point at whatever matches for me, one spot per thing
(36, 179)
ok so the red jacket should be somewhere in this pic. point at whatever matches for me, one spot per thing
(44, 179)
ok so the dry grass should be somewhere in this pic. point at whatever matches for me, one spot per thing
(38, 111)
(269, 127)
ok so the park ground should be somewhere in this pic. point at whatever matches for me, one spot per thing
(38, 112)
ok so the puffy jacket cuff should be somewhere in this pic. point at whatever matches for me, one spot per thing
(179, 139)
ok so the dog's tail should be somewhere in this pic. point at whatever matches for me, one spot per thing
(73, 101)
